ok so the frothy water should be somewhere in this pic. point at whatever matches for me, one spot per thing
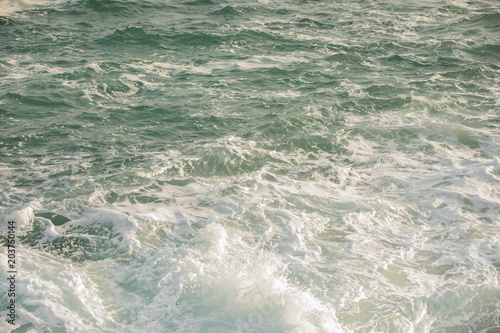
(299, 166)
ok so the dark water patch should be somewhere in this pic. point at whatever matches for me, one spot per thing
(488, 21)
(283, 11)
(12, 97)
(49, 140)
(90, 117)
(278, 26)
(388, 47)
(472, 32)
(349, 106)
(397, 59)
(307, 144)
(56, 219)
(198, 39)
(488, 50)
(181, 182)
(452, 9)
(114, 7)
(282, 127)
(61, 129)
(468, 73)
(65, 62)
(310, 1)
(133, 35)
(84, 25)
(171, 114)
(28, 180)
(484, 24)
(168, 125)
(445, 47)
(43, 40)
(385, 90)
(48, 101)
(265, 74)
(227, 12)
(198, 3)
(300, 24)
(5, 20)
(401, 136)
(310, 23)
(258, 40)
(444, 57)
(473, 90)
(42, 138)
(345, 57)
(203, 128)
(384, 104)
(449, 61)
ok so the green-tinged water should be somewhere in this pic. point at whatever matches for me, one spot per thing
(262, 166)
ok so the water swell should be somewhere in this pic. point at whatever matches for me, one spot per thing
(201, 166)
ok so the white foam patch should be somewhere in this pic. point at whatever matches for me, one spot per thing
(56, 294)
(23, 218)
(105, 224)
(9, 7)
(257, 62)
(265, 246)
(21, 67)
(238, 286)
(251, 63)
(392, 226)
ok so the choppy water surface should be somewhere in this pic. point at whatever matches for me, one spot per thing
(258, 166)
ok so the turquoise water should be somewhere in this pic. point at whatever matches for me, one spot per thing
(259, 166)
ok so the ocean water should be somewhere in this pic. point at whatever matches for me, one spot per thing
(251, 166)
